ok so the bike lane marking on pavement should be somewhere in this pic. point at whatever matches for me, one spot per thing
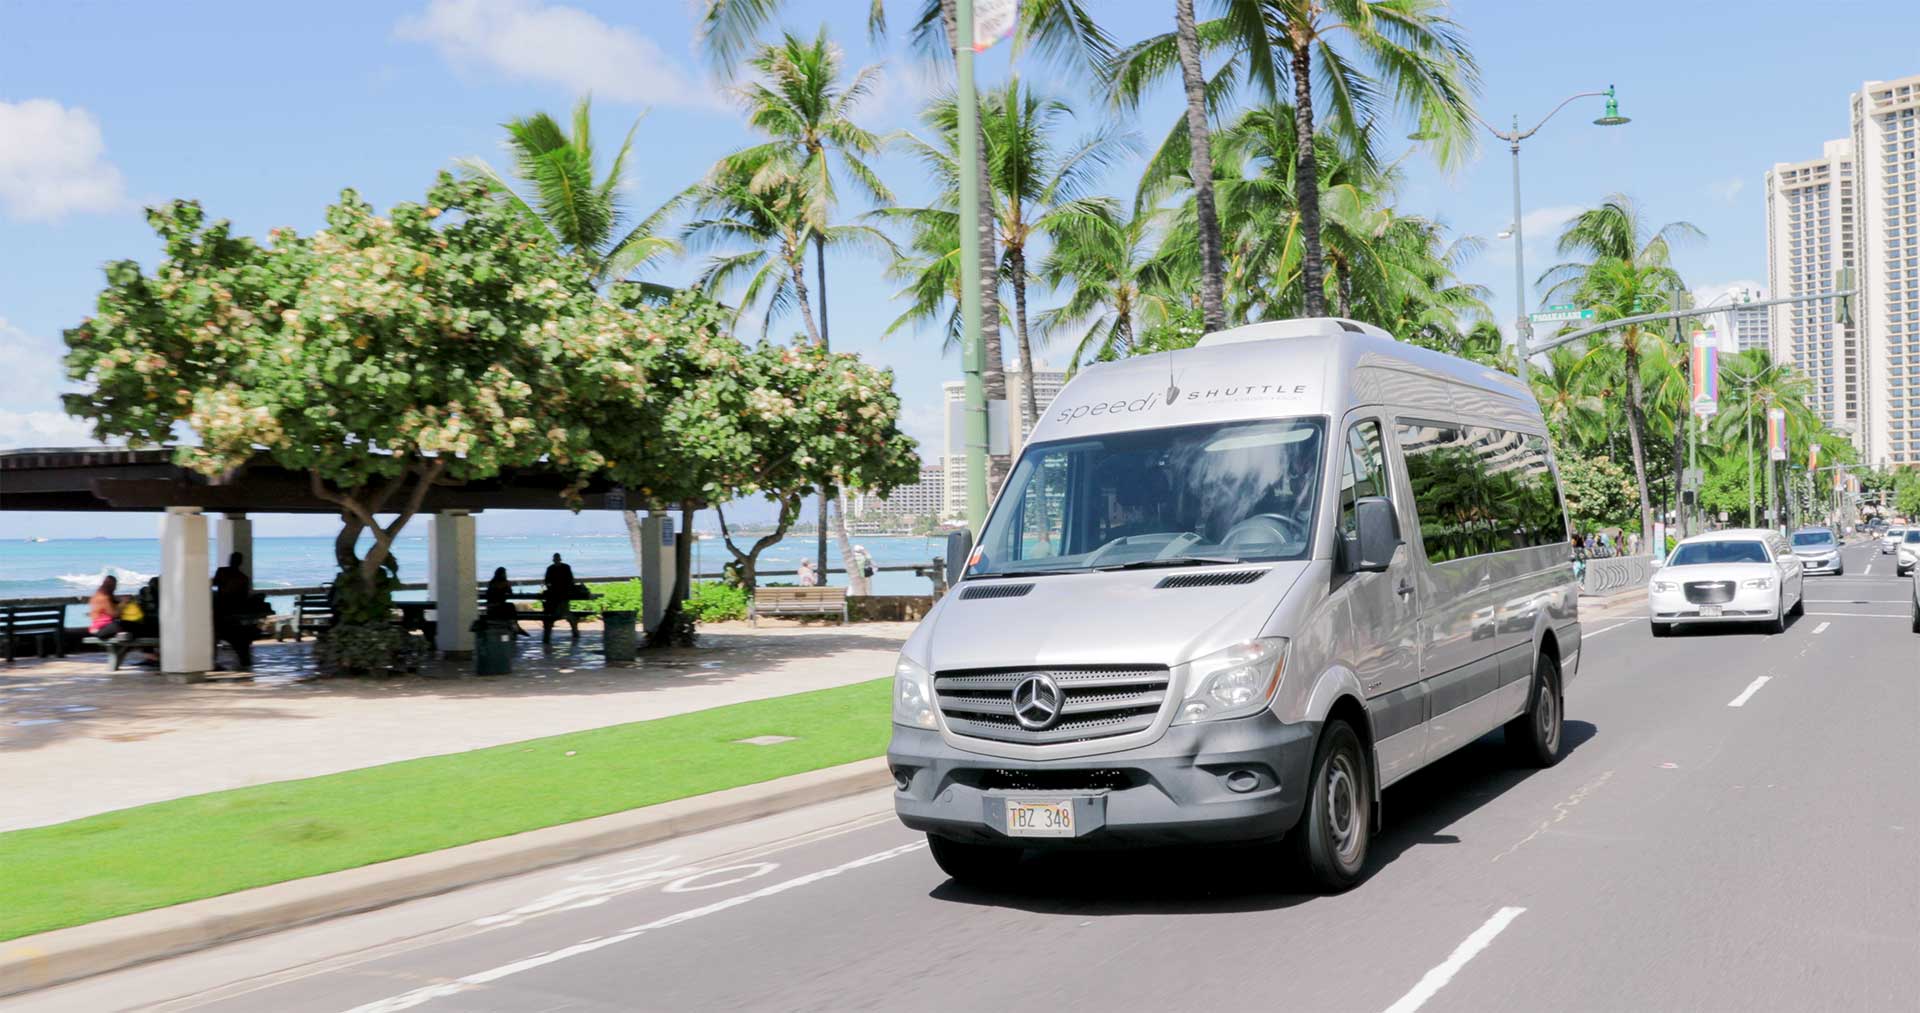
(1822, 628)
(1747, 694)
(409, 1000)
(1433, 981)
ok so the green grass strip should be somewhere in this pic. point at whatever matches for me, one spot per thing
(152, 856)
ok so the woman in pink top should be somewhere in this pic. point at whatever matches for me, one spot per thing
(103, 608)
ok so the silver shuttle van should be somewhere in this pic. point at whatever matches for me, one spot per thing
(1230, 593)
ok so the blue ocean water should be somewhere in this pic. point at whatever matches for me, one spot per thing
(75, 566)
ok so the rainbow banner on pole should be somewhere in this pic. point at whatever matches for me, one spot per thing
(1706, 375)
(1776, 434)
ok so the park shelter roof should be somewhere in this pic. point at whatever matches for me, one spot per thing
(117, 478)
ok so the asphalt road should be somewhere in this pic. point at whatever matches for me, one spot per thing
(1736, 826)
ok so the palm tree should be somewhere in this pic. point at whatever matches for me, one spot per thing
(1627, 271)
(800, 103)
(770, 226)
(1063, 30)
(582, 209)
(1116, 287)
(1575, 414)
(1416, 54)
(1036, 185)
(1752, 384)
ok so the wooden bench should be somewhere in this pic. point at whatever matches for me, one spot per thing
(797, 601)
(118, 648)
(312, 613)
(36, 622)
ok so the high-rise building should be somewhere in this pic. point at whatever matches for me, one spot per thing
(1751, 327)
(1810, 232)
(923, 499)
(1047, 384)
(1886, 127)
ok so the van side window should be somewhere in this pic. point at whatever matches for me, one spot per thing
(1362, 471)
(1443, 477)
(1042, 525)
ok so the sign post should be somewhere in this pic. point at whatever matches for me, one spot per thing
(1560, 315)
(1776, 452)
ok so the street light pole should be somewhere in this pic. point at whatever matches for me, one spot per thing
(1522, 327)
(973, 356)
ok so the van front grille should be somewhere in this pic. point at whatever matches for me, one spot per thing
(1096, 702)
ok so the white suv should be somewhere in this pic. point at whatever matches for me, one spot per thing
(1907, 553)
(1892, 539)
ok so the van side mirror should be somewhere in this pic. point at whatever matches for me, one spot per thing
(959, 547)
(1377, 535)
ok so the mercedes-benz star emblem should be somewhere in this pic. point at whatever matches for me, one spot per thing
(1037, 702)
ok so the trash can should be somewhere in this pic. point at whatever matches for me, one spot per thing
(618, 638)
(493, 649)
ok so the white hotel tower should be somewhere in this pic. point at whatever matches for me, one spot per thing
(1886, 120)
(1810, 234)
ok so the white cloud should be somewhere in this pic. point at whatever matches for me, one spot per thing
(30, 386)
(1726, 190)
(53, 162)
(561, 45)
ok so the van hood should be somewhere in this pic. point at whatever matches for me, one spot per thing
(1115, 618)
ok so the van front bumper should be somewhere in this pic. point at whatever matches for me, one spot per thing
(1174, 791)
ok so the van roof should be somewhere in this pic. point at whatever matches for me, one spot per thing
(1318, 366)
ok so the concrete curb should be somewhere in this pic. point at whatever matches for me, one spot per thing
(63, 955)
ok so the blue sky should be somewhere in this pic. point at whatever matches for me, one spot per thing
(264, 111)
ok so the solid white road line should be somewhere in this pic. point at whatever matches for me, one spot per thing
(1822, 628)
(1861, 615)
(1752, 688)
(408, 1000)
(1856, 601)
(1433, 981)
(1615, 626)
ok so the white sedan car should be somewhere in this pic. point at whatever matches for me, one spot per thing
(1916, 601)
(1907, 553)
(1739, 576)
(1892, 539)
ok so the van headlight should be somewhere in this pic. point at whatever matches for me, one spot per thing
(1234, 682)
(912, 694)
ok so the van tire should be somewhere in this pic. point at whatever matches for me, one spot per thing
(1340, 785)
(1799, 605)
(1534, 738)
(1661, 629)
(974, 864)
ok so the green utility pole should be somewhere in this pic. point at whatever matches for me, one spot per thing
(972, 355)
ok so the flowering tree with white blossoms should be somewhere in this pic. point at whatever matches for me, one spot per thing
(443, 342)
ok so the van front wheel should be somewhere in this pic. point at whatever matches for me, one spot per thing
(1330, 843)
(1534, 736)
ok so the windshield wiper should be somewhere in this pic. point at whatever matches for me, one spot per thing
(1149, 564)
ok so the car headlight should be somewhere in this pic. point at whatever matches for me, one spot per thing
(1762, 583)
(1664, 586)
(912, 694)
(1234, 682)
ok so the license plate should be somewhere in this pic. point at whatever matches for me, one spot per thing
(1040, 818)
(1709, 611)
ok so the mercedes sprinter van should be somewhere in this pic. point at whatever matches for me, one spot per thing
(1230, 593)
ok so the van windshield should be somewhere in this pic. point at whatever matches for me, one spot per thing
(1218, 493)
(1701, 553)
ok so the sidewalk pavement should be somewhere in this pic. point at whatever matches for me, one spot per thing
(76, 740)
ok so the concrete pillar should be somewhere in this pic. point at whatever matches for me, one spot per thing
(234, 533)
(186, 599)
(451, 580)
(656, 568)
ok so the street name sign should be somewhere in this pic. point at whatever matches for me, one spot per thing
(1560, 316)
